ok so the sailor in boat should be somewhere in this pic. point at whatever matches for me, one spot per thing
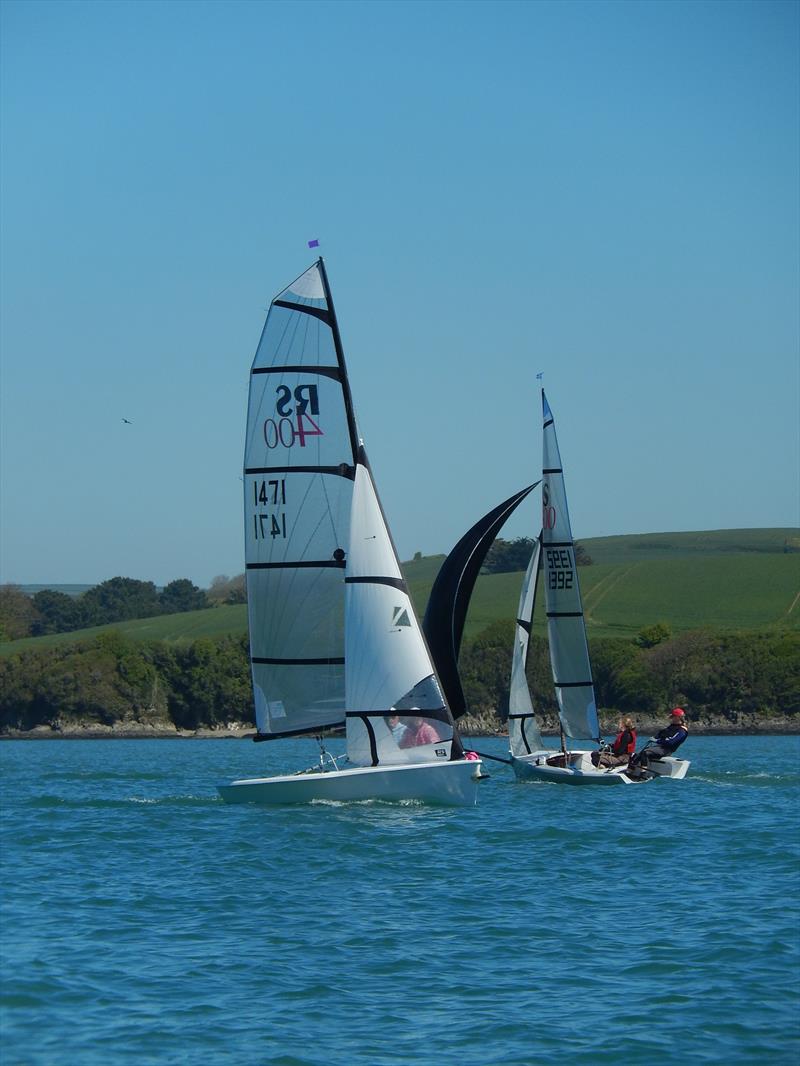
(419, 731)
(619, 752)
(665, 742)
(397, 728)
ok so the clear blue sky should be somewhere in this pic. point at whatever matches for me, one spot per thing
(606, 192)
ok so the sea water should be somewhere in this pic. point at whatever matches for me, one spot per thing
(146, 922)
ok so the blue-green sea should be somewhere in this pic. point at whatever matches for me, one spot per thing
(145, 922)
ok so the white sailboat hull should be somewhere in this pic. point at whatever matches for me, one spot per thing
(452, 784)
(579, 770)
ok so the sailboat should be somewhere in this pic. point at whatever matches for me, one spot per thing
(553, 559)
(334, 640)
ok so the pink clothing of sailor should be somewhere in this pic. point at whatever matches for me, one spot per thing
(421, 732)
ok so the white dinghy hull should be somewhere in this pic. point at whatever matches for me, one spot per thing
(538, 766)
(542, 766)
(450, 784)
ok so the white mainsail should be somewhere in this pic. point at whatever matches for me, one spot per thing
(523, 730)
(566, 630)
(389, 671)
(300, 455)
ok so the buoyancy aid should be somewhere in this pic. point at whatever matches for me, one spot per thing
(624, 742)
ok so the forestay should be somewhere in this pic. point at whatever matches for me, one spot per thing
(396, 712)
(523, 731)
(299, 466)
(569, 653)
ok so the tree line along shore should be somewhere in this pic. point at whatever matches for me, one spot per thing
(111, 685)
(173, 661)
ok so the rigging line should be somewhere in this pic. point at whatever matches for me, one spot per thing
(495, 758)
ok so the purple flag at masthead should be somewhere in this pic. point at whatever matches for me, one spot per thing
(313, 244)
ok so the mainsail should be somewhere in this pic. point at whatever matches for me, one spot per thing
(523, 731)
(299, 465)
(396, 712)
(566, 630)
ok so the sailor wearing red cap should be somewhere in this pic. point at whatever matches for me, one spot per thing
(665, 742)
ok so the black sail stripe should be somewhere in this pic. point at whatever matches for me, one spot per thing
(565, 614)
(549, 422)
(343, 470)
(436, 714)
(393, 582)
(305, 731)
(553, 470)
(297, 565)
(267, 661)
(557, 544)
(524, 625)
(306, 309)
(573, 684)
(324, 371)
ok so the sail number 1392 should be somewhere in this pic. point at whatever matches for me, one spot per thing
(560, 574)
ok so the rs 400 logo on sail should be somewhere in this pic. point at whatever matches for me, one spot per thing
(293, 420)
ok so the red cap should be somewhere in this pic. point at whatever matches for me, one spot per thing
(678, 711)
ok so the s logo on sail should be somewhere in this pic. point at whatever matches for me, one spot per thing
(548, 512)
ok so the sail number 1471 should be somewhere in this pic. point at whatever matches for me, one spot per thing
(267, 494)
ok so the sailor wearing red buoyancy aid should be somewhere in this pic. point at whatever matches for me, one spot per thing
(622, 747)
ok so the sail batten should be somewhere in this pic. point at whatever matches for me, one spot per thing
(323, 371)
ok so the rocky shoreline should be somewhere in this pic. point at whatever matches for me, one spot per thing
(470, 726)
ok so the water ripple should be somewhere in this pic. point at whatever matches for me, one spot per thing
(145, 921)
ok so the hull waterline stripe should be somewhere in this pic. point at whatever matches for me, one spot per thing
(304, 564)
(306, 309)
(323, 371)
(393, 582)
(264, 661)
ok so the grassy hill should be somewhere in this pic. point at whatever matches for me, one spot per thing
(639, 546)
(727, 579)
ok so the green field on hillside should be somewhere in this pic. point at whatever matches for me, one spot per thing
(639, 546)
(728, 579)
